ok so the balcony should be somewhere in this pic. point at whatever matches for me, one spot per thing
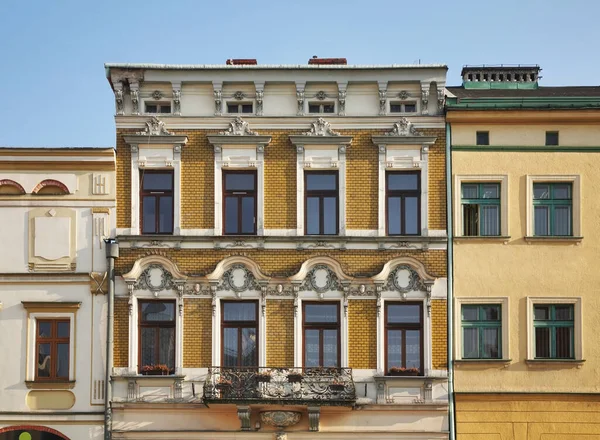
(281, 386)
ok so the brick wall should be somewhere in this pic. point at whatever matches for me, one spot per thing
(362, 334)
(197, 333)
(439, 356)
(123, 178)
(121, 333)
(280, 333)
(437, 179)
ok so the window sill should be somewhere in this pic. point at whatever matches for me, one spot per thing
(149, 377)
(490, 238)
(474, 362)
(50, 385)
(553, 239)
(548, 363)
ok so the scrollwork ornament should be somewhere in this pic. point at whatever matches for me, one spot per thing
(310, 282)
(320, 128)
(144, 282)
(248, 283)
(238, 127)
(415, 283)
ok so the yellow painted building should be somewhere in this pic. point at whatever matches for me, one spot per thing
(525, 163)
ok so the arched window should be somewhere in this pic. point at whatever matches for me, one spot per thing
(50, 187)
(10, 187)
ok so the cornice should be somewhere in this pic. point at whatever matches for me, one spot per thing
(221, 139)
(523, 116)
(144, 139)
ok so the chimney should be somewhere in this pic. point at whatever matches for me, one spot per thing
(327, 61)
(241, 62)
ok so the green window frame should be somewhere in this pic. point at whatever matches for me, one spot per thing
(554, 331)
(481, 331)
(480, 204)
(553, 209)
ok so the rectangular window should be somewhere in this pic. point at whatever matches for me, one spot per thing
(403, 107)
(552, 209)
(483, 138)
(321, 202)
(552, 138)
(403, 203)
(554, 331)
(234, 107)
(157, 334)
(52, 349)
(481, 331)
(158, 107)
(404, 335)
(239, 333)
(324, 107)
(480, 209)
(156, 195)
(239, 202)
(321, 328)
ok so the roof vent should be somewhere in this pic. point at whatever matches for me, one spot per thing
(317, 60)
(241, 62)
(501, 76)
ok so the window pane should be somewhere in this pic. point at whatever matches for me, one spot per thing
(491, 191)
(413, 349)
(321, 182)
(411, 215)
(552, 138)
(230, 347)
(44, 361)
(470, 343)
(564, 345)
(166, 349)
(248, 215)
(62, 360)
(410, 108)
(239, 182)
(63, 329)
(330, 348)
(151, 108)
(541, 313)
(232, 108)
(313, 108)
(490, 313)
(231, 215)
(165, 108)
(312, 215)
(541, 191)
(330, 215)
(148, 346)
(311, 348)
(44, 329)
(562, 191)
(483, 138)
(393, 213)
(328, 108)
(249, 358)
(165, 218)
(470, 191)
(321, 313)
(239, 311)
(246, 108)
(395, 108)
(470, 220)
(403, 313)
(402, 181)
(562, 220)
(564, 313)
(541, 220)
(491, 343)
(542, 342)
(157, 181)
(470, 313)
(490, 220)
(149, 214)
(158, 311)
(394, 348)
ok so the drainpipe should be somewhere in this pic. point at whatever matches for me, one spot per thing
(112, 253)
(450, 262)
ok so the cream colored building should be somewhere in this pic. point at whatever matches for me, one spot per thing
(525, 161)
(57, 205)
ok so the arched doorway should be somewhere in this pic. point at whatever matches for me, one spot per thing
(30, 433)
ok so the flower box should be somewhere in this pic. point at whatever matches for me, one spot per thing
(155, 370)
(398, 371)
(225, 385)
(295, 377)
(337, 387)
(263, 377)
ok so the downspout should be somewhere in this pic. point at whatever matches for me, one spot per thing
(112, 253)
(450, 266)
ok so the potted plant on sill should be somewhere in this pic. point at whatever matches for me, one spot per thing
(223, 384)
(401, 371)
(294, 377)
(263, 377)
(336, 385)
(155, 370)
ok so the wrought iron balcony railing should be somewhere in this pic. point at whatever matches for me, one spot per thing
(284, 386)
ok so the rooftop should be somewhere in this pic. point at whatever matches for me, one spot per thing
(109, 66)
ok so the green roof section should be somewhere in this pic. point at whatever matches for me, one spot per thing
(534, 102)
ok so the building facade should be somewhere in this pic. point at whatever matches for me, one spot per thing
(282, 238)
(57, 207)
(524, 173)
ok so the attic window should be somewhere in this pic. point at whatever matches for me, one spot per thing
(158, 107)
(240, 107)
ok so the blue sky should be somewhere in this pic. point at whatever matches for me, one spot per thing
(52, 51)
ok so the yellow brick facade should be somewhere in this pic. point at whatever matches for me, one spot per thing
(439, 335)
(121, 333)
(362, 334)
(280, 333)
(197, 333)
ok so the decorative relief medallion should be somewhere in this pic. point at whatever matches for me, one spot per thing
(157, 94)
(280, 419)
(238, 279)
(404, 279)
(239, 95)
(320, 128)
(238, 127)
(155, 278)
(155, 127)
(403, 94)
(320, 279)
(321, 95)
(403, 128)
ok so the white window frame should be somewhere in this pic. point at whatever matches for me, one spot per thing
(576, 301)
(239, 105)
(504, 303)
(575, 181)
(32, 332)
(502, 179)
(158, 105)
(321, 105)
(403, 110)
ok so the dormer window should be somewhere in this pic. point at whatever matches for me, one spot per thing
(158, 107)
(403, 107)
(321, 107)
(240, 107)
